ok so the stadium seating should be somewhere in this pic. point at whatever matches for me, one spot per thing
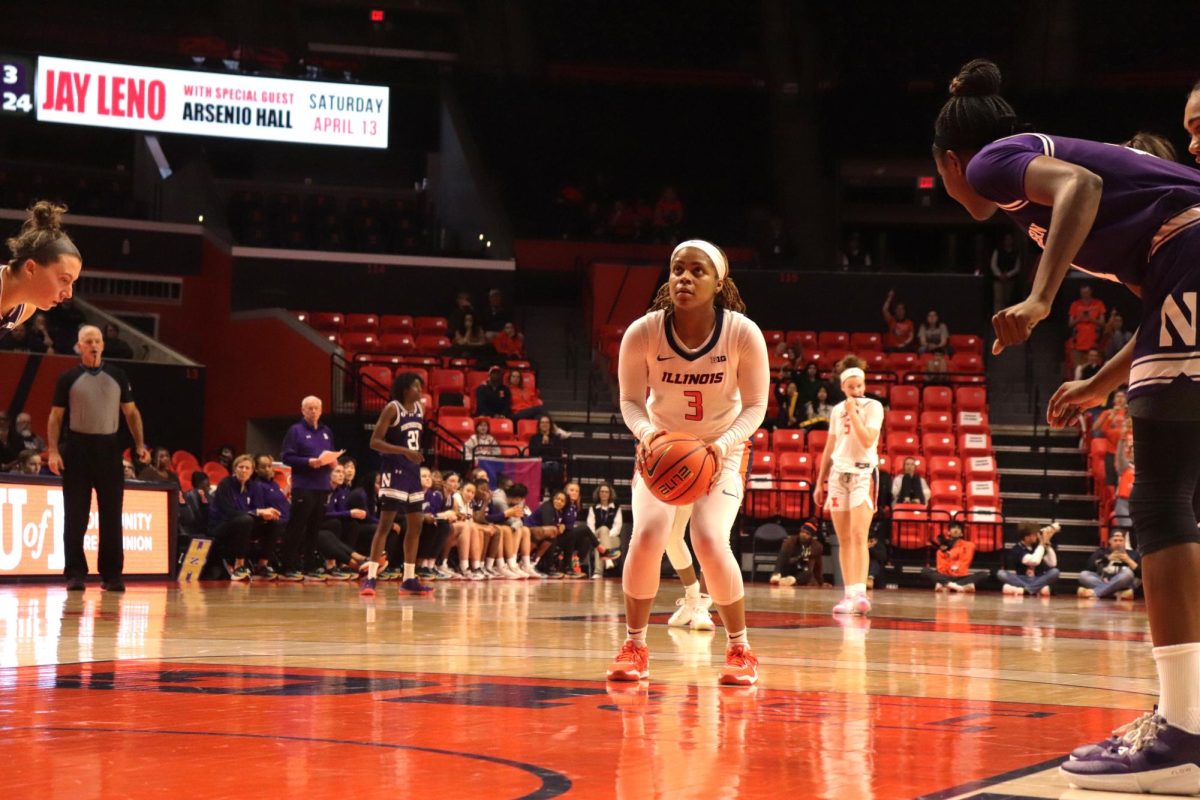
(786, 440)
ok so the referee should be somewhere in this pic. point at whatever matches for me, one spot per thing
(89, 397)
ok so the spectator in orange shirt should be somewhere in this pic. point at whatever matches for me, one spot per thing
(509, 343)
(954, 556)
(1087, 319)
(899, 335)
(526, 404)
(1111, 422)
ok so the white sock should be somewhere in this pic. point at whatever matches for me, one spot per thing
(855, 589)
(491, 562)
(692, 591)
(372, 569)
(1179, 685)
(525, 562)
(638, 635)
(742, 637)
(512, 563)
(410, 572)
(476, 565)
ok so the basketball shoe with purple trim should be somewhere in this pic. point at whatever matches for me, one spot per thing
(1153, 758)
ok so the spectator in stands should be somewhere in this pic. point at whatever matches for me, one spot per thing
(462, 307)
(1005, 267)
(1090, 367)
(1126, 472)
(508, 343)
(547, 525)
(877, 558)
(582, 542)
(224, 457)
(801, 558)
(193, 513)
(469, 341)
(159, 469)
(605, 522)
(39, 334)
(19, 341)
(776, 249)
(668, 216)
(547, 444)
(807, 383)
(10, 445)
(25, 436)
(29, 462)
(899, 335)
(816, 412)
(1111, 571)
(1087, 320)
(128, 470)
(114, 345)
(1030, 565)
(908, 486)
(526, 404)
(481, 443)
(496, 315)
(791, 409)
(1115, 335)
(854, 257)
(1110, 424)
(493, 399)
(954, 556)
(933, 336)
(237, 508)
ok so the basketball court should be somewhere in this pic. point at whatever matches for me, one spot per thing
(497, 689)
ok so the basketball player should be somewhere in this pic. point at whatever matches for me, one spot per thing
(45, 265)
(1129, 217)
(692, 608)
(397, 437)
(851, 463)
(705, 367)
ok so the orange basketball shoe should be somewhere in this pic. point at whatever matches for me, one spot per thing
(631, 664)
(741, 667)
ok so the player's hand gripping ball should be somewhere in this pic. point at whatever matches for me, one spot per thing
(678, 468)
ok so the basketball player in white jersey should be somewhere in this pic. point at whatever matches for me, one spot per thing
(705, 367)
(851, 463)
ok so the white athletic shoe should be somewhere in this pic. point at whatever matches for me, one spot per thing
(507, 572)
(687, 612)
(1008, 588)
(701, 619)
(775, 579)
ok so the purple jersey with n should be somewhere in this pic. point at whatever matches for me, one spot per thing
(400, 478)
(1146, 235)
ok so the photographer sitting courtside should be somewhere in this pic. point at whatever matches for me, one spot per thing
(1031, 565)
(1112, 571)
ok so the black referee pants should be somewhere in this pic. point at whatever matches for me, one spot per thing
(93, 462)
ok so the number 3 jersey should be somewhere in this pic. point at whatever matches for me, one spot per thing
(717, 392)
(400, 478)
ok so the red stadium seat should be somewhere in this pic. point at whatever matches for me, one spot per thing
(982, 493)
(876, 360)
(983, 525)
(430, 326)
(516, 363)
(913, 525)
(981, 468)
(458, 428)
(429, 404)
(396, 323)
(903, 444)
(511, 447)
(788, 440)
(816, 442)
(970, 398)
(454, 411)
(900, 421)
(973, 422)
(300, 315)
(938, 444)
(397, 343)
(760, 441)
(215, 472)
(796, 465)
(475, 379)
(526, 428)
(447, 380)
(902, 362)
(421, 372)
(359, 342)
(861, 342)
(502, 427)
(937, 422)
(773, 337)
(937, 398)
(432, 344)
(974, 444)
(966, 343)
(182, 460)
(898, 463)
(380, 374)
(761, 497)
(807, 340)
(361, 323)
(326, 321)
(946, 493)
(945, 468)
(833, 340)
(966, 362)
(905, 398)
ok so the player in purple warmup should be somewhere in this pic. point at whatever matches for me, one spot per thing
(397, 436)
(1129, 217)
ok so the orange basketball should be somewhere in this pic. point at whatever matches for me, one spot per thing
(678, 468)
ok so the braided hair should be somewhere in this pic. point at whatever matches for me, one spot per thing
(728, 297)
(975, 115)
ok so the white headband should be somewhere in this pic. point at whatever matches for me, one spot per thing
(710, 250)
(853, 372)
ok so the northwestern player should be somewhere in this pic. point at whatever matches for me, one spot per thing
(1129, 217)
(45, 264)
(397, 437)
(851, 463)
(704, 365)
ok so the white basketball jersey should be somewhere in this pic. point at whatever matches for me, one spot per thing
(695, 391)
(848, 453)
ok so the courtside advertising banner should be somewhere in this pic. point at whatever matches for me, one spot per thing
(210, 103)
(31, 530)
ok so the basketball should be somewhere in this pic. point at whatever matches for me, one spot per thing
(678, 468)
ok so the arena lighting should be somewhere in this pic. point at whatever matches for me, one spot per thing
(925, 182)
(376, 15)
